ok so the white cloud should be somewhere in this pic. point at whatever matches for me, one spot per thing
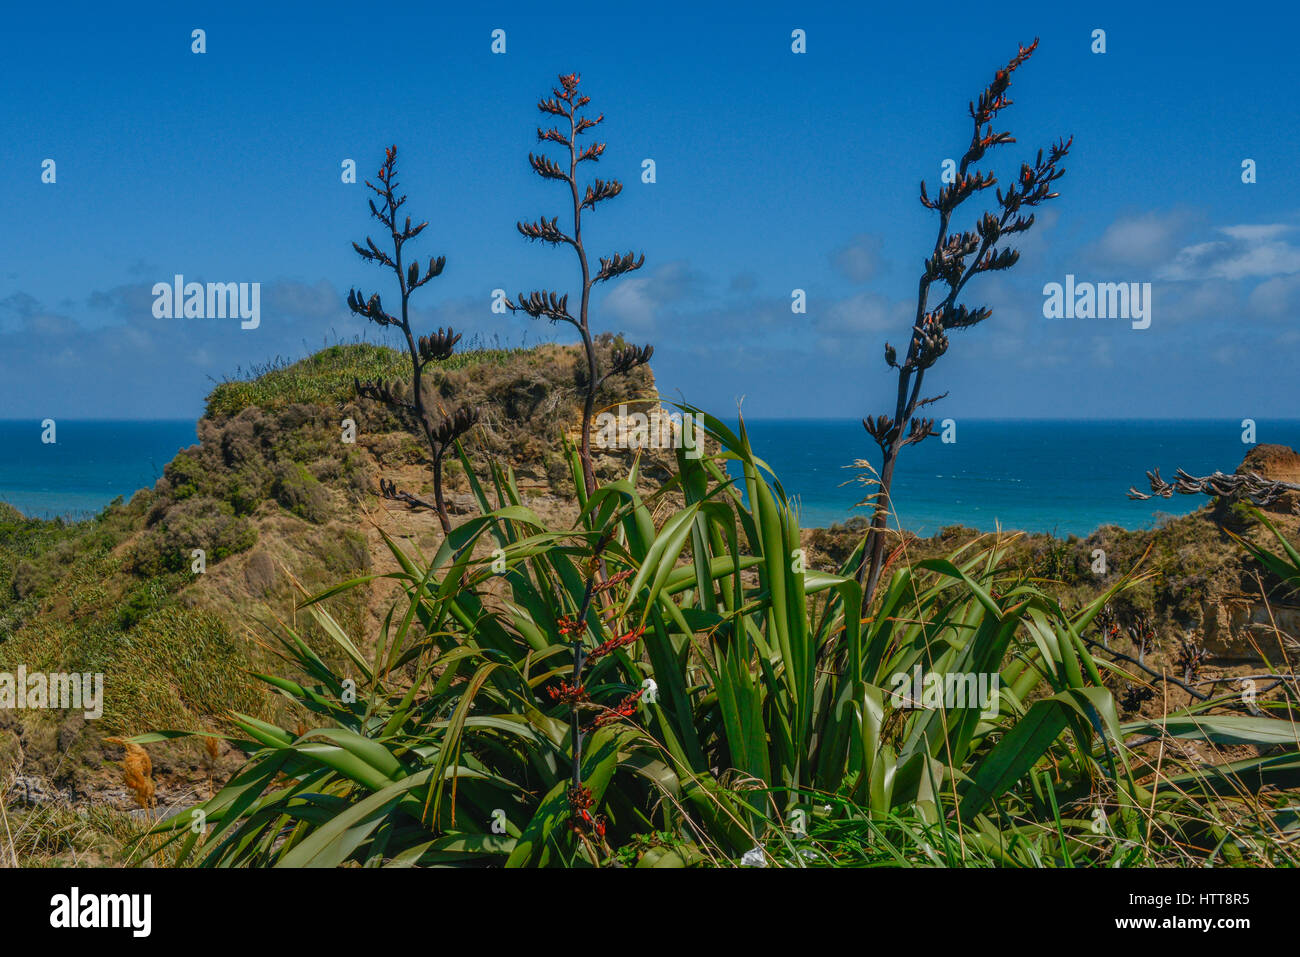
(630, 304)
(1249, 252)
(1257, 233)
(635, 300)
(859, 260)
(1276, 298)
(1144, 240)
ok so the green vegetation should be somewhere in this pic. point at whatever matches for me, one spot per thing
(302, 493)
(772, 733)
(87, 610)
(61, 836)
(326, 377)
(40, 558)
(456, 686)
(1185, 560)
(194, 523)
(119, 594)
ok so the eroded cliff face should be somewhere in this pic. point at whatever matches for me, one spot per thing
(1259, 619)
(1276, 463)
(1242, 628)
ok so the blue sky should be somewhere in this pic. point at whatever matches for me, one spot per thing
(775, 171)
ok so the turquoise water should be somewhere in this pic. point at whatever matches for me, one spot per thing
(1065, 477)
(89, 464)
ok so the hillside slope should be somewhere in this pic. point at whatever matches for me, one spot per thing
(279, 503)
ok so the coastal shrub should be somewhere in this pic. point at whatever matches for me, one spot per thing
(325, 378)
(10, 520)
(257, 456)
(345, 552)
(245, 490)
(240, 442)
(1055, 559)
(29, 579)
(186, 476)
(47, 569)
(199, 522)
(327, 468)
(37, 574)
(357, 474)
(146, 597)
(302, 493)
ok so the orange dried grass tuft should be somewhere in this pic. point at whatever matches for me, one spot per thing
(138, 772)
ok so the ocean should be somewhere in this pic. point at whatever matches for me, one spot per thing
(1065, 477)
(90, 463)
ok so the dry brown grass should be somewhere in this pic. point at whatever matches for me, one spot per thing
(138, 772)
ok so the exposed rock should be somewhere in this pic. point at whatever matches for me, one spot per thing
(31, 791)
(1277, 463)
(1241, 628)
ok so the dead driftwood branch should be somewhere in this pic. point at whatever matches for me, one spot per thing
(1259, 490)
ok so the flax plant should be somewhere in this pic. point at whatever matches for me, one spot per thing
(772, 699)
(441, 434)
(955, 259)
(568, 104)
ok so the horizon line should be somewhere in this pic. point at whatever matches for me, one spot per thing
(26, 420)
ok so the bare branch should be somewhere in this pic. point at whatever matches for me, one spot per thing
(1251, 485)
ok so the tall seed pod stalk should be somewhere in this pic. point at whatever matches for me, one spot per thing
(955, 259)
(568, 104)
(589, 828)
(441, 434)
